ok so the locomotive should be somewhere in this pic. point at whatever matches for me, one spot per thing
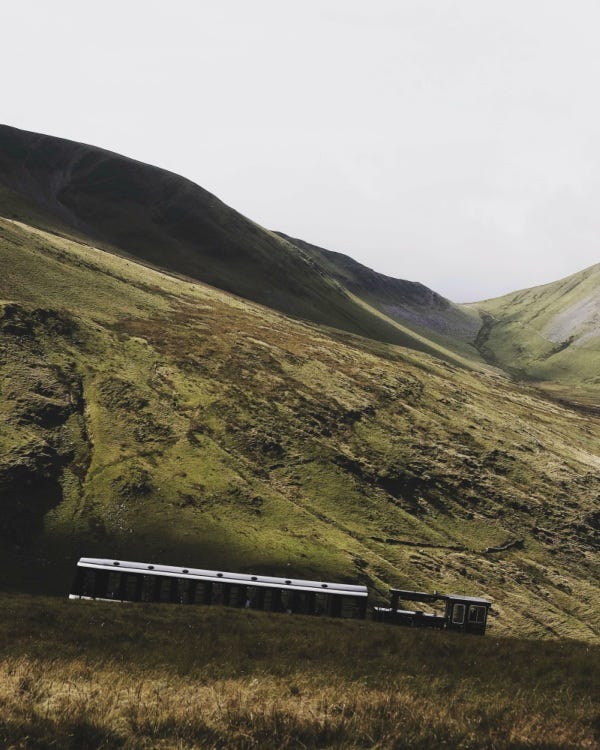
(119, 580)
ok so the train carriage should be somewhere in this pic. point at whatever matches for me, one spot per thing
(467, 614)
(134, 581)
(119, 580)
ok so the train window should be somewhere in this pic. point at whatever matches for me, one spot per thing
(320, 604)
(335, 605)
(100, 584)
(350, 607)
(259, 598)
(148, 588)
(87, 586)
(458, 614)
(298, 602)
(286, 601)
(276, 603)
(112, 589)
(217, 594)
(205, 594)
(175, 591)
(185, 591)
(165, 590)
(238, 596)
(477, 614)
(127, 587)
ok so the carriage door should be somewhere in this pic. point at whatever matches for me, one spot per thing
(457, 619)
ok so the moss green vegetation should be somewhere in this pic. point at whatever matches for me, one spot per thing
(92, 675)
(549, 334)
(144, 416)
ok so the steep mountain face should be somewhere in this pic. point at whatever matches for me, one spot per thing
(143, 416)
(549, 333)
(413, 305)
(163, 219)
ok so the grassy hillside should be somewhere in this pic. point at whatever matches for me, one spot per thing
(145, 416)
(549, 333)
(83, 675)
(163, 219)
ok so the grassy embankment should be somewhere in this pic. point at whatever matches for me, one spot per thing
(93, 675)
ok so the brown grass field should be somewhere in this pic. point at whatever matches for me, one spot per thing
(99, 675)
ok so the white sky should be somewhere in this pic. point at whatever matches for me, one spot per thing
(455, 143)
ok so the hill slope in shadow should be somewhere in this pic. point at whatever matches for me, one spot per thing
(163, 219)
(410, 304)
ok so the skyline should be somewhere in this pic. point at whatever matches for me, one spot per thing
(441, 142)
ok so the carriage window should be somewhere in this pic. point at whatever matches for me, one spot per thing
(183, 590)
(218, 594)
(458, 614)
(114, 581)
(349, 606)
(286, 601)
(148, 589)
(320, 605)
(129, 589)
(87, 587)
(477, 614)
(165, 589)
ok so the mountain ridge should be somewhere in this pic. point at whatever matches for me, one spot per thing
(409, 303)
(157, 217)
(161, 218)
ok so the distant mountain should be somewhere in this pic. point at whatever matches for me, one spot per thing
(163, 219)
(409, 303)
(549, 333)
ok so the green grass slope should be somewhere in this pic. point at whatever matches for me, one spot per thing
(145, 416)
(87, 675)
(165, 220)
(550, 334)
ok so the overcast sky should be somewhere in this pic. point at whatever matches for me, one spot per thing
(455, 143)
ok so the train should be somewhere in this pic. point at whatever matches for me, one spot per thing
(125, 581)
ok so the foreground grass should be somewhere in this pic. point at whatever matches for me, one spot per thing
(94, 675)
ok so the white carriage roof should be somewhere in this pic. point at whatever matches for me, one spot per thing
(470, 599)
(248, 579)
